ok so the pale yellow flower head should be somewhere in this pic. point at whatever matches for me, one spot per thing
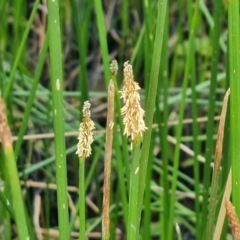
(132, 111)
(85, 136)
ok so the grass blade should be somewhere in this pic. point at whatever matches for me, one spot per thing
(157, 51)
(234, 74)
(212, 103)
(12, 176)
(20, 50)
(58, 116)
(216, 172)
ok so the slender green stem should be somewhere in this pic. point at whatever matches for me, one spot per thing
(133, 217)
(81, 18)
(121, 156)
(12, 178)
(162, 120)
(7, 204)
(234, 74)
(17, 200)
(82, 197)
(31, 98)
(180, 125)
(121, 172)
(212, 103)
(58, 116)
(194, 126)
(150, 106)
(146, 229)
(216, 172)
(103, 40)
(20, 50)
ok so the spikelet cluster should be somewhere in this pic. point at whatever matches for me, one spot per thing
(85, 136)
(132, 111)
(114, 67)
(233, 219)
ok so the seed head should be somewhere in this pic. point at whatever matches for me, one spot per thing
(5, 133)
(132, 111)
(85, 136)
(114, 67)
(233, 219)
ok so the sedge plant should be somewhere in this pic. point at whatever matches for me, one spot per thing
(84, 150)
(134, 128)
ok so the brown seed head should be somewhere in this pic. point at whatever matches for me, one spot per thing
(233, 219)
(5, 133)
(85, 136)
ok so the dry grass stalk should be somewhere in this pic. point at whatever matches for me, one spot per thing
(218, 151)
(5, 133)
(216, 170)
(107, 165)
(222, 211)
(233, 219)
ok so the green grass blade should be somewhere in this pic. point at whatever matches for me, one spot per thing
(17, 200)
(7, 204)
(162, 116)
(20, 50)
(157, 51)
(58, 116)
(133, 213)
(11, 175)
(194, 127)
(146, 229)
(234, 74)
(211, 111)
(31, 99)
(81, 22)
(103, 40)
(180, 124)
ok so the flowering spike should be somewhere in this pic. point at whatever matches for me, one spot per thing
(132, 111)
(233, 219)
(85, 136)
(114, 67)
(5, 133)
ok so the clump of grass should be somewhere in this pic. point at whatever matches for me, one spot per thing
(155, 54)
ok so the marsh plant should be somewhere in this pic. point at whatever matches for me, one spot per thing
(95, 148)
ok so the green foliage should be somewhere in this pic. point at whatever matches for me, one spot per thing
(183, 57)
